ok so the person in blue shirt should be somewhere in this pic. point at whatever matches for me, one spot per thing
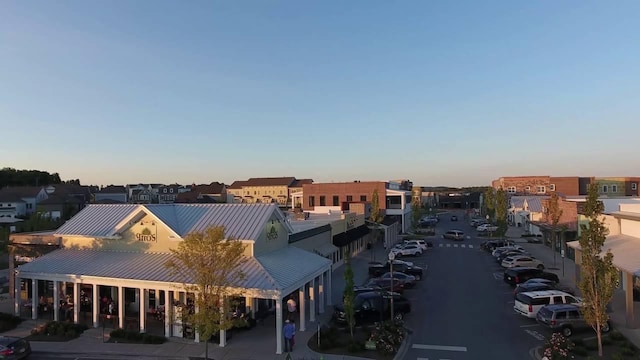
(289, 331)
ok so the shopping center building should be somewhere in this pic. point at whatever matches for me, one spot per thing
(118, 253)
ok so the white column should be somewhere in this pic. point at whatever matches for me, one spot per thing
(223, 333)
(321, 293)
(167, 314)
(96, 305)
(254, 307)
(312, 300)
(143, 298)
(196, 337)
(329, 287)
(16, 295)
(302, 306)
(279, 326)
(34, 299)
(76, 303)
(120, 305)
(248, 305)
(56, 301)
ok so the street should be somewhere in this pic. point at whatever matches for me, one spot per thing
(69, 356)
(462, 311)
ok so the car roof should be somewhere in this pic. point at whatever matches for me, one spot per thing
(6, 340)
(563, 307)
(542, 293)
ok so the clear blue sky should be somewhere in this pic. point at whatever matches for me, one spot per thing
(439, 92)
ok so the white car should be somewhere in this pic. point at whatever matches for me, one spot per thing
(419, 243)
(502, 249)
(522, 261)
(487, 228)
(407, 250)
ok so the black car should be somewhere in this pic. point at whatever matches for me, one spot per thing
(372, 307)
(515, 276)
(14, 348)
(377, 270)
(454, 218)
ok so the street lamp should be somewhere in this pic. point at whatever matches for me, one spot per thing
(392, 256)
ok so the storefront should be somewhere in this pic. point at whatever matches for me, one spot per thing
(111, 265)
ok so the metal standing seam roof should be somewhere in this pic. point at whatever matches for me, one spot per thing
(278, 270)
(535, 203)
(326, 249)
(625, 250)
(96, 220)
(241, 221)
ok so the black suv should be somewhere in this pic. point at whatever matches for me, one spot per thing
(372, 307)
(515, 276)
(377, 270)
(540, 286)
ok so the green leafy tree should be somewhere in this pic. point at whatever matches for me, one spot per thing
(489, 203)
(554, 213)
(416, 211)
(376, 218)
(501, 209)
(598, 276)
(349, 294)
(210, 266)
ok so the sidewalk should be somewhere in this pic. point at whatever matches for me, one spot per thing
(544, 253)
(257, 343)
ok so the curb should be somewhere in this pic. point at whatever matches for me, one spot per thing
(405, 345)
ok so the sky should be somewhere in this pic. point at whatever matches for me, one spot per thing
(439, 92)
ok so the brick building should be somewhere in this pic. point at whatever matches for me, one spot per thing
(567, 185)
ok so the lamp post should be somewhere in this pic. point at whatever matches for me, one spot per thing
(490, 232)
(392, 256)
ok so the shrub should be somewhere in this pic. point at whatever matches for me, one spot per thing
(329, 337)
(579, 350)
(355, 346)
(58, 328)
(616, 336)
(591, 345)
(558, 347)
(117, 333)
(626, 351)
(617, 356)
(388, 335)
(8, 322)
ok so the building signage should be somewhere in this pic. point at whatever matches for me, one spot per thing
(272, 234)
(23, 259)
(146, 236)
(351, 222)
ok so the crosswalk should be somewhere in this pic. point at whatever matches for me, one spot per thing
(469, 246)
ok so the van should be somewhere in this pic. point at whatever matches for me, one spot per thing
(529, 303)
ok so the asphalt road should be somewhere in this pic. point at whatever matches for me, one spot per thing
(58, 356)
(461, 311)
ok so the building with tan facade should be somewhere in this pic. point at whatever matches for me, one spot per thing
(567, 185)
(265, 190)
(120, 252)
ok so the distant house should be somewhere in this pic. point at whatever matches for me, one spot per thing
(111, 193)
(167, 194)
(31, 195)
(213, 193)
(12, 207)
(267, 190)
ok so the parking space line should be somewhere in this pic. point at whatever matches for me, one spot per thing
(455, 245)
(463, 245)
(441, 244)
(448, 245)
(439, 347)
(470, 246)
(530, 325)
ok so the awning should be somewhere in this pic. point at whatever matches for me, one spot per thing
(326, 250)
(625, 250)
(350, 236)
(282, 270)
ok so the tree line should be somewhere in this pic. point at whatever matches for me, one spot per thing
(14, 177)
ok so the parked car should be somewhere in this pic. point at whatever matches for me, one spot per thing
(401, 262)
(506, 254)
(494, 244)
(487, 228)
(364, 289)
(373, 307)
(529, 303)
(502, 249)
(522, 261)
(14, 347)
(454, 218)
(477, 222)
(408, 281)
(419, 243)
(539, 285)
(515, 276)
(385, 284)
(407, 250)
(377, 270)
(453, 235)
(565, 318)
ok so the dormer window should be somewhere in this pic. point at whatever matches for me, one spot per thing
(171, 190)
(164, 190)
(511, 189)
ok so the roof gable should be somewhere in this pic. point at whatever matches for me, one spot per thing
(270, 181)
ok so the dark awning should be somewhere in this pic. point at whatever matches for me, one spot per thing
(350, 236)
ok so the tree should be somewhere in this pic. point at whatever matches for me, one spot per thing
(501, 209)
(553, 216)
(489, 202)
(349, 294)
(598, 276)
(415, 211)
(376, 218)
(210, 266)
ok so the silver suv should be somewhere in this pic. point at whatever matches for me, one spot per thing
(565, 318)
(454, 235)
